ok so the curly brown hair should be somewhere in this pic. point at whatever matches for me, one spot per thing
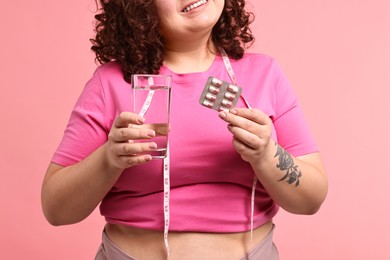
(128, 31)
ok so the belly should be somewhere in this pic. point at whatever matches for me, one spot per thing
(149, 244)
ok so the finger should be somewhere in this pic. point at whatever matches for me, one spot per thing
(246, 138)
(240, 122)
(134, 148)
(131, 132)
(126, 118)
(254, 115)
(160, 129)
(256, 138)
(241, 147)
(236, 116)
(246, 153)
(129, 161)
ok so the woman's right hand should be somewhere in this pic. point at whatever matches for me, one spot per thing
(122, 149)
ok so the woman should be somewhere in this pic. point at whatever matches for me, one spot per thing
(214, 159)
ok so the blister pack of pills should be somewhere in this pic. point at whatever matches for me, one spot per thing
(219, 95)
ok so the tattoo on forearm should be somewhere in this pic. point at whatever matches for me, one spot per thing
(286, 163)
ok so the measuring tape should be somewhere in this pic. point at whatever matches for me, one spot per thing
(166, 161)
(232, 76)
(166, 170)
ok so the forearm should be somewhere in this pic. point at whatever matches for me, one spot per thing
(298, 185)
(71, 193)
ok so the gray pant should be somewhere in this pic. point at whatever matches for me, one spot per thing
(264, 250)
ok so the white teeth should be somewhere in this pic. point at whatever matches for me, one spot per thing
(195, 5)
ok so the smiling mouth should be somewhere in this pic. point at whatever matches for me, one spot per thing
(194, 5)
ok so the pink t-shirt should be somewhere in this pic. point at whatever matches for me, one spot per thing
(210, 183)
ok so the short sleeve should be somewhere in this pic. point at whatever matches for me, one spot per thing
(291, 127)
(87, 128)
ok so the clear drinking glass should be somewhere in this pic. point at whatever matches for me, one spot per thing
(152, 100)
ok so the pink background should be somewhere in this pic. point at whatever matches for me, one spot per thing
(335, 53)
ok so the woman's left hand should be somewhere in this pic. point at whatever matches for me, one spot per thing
(251, 129)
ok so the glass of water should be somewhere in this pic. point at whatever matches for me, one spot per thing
(152, 100)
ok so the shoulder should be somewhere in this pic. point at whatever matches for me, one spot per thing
(109, 78)
(111, 70)
(256, 58)
(257, 64)
(108, 82)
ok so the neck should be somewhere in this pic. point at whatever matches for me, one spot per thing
(189, 56)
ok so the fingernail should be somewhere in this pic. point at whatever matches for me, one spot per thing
(153, 146)
(222, 114)
(233, 111)
(151, 133)
(141, 120)
(148, 158)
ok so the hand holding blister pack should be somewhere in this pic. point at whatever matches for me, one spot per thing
(219, 95)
